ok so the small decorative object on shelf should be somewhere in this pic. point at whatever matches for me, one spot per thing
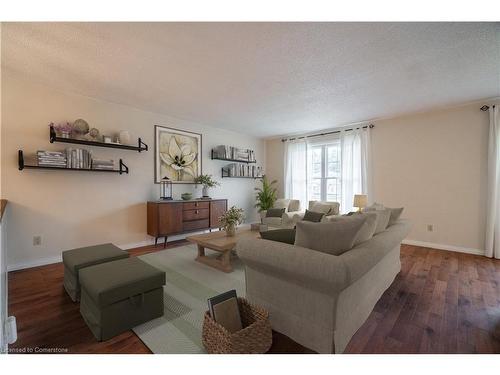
(93, 135)
(230, 153)
(242, 171)
(230, 219)
(106, 139)
(80, 128)
(124, 137)
(207, 182)
(63, 130)
(186, 196)
(166, 189)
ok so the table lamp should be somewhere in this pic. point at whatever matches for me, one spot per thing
(360, 201)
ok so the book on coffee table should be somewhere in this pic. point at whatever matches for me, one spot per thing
(224, 310)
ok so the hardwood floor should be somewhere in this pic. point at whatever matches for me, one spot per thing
(441, 302)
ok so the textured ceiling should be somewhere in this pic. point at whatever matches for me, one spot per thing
(263, 79)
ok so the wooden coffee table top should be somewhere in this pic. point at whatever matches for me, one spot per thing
(220, 241)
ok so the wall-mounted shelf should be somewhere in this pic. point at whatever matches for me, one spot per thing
(226, 175)
(141, 146)
(216, 156)
(232, 160)
(123, 167)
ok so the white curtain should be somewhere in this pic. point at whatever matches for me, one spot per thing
(296, 171)
(355, 166)
(356, 177)
(493, 198)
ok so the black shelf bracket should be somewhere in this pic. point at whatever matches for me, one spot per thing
(142, 146)
(123, 167)
(53, 135)
(20, 159)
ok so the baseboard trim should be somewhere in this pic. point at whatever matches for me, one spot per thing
(148, 242)
(439, 246)
(58, 258)
(35, 263)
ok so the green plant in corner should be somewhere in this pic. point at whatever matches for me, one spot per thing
(230, 219)
(266, 195)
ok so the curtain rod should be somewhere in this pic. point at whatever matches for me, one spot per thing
(327, 133)
(486, 107)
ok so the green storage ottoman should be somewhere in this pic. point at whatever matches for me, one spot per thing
(120, 295)
(77, 259)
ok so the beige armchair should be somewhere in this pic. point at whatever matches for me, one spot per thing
(292, 207)
(330, 209)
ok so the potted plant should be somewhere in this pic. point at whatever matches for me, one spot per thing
(231, 218)
(207, 181)
(266, 195)
(63, 130)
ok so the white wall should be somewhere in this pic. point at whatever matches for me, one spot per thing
(435, 165)
(71, 209)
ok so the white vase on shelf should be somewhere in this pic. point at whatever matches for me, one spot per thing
(124, 137)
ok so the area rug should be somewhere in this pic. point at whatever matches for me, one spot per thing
(188, 286)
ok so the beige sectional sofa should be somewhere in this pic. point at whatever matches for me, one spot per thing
(317, 299)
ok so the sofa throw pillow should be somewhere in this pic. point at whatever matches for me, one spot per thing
(315, 217)
(279, 235)
(395, 214)
(374, 207)
(281, 203)
(367, 230)
(334, 238)
(321, 207)
(275, 212)
(383, 217)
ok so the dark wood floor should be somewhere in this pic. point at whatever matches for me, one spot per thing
(441, 302)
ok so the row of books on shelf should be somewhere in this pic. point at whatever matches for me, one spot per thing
(76, 158)
(234, 153)
(242, 170)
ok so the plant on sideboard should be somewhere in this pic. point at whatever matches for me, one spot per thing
(207, 181)
(266, 195)
(231, 218)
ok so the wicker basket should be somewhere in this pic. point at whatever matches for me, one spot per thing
(255, 337)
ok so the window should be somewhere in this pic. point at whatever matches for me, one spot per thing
(325, 182)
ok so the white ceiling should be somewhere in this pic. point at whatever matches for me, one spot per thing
(263, 79)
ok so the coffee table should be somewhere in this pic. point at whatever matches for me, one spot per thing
(219, 241)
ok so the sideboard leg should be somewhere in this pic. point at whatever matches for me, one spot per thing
(156, 241)
(165, 243)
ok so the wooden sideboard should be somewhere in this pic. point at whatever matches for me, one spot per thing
(167, 218)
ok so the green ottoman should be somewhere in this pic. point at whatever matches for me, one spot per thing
(77, 259)
(120, 295)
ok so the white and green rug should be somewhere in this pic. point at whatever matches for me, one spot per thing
(188, 286)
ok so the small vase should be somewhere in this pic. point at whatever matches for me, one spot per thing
(204, 192)
(231, 231)
(124, 137)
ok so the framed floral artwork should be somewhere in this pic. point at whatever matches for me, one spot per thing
(177, 155)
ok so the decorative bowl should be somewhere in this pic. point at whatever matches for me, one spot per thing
(186, 196)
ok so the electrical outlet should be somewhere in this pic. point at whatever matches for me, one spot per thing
(430, 228)
(37, 240)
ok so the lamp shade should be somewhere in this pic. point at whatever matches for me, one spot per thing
(360, 200)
